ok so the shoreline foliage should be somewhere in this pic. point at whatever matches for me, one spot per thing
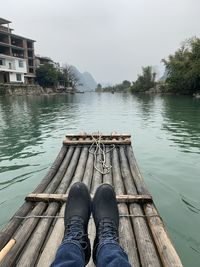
(183, 68)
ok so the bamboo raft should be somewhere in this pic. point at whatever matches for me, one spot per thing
(33, 234)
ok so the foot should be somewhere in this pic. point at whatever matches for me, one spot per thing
(106, 216)
(77, 214)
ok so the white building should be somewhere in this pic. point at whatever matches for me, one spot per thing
(12, 69)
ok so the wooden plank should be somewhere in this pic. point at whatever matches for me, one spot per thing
(168, 254)
(63, 198)
(6, 249)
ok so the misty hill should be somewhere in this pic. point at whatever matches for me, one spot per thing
(86, 80)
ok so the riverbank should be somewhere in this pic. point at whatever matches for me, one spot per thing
(22, 89)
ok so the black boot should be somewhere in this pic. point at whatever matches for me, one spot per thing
(106, 216)
(77, 214)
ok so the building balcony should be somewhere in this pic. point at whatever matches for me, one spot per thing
(5, 29)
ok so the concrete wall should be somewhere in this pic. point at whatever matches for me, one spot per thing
(12, 64)
(13, 77)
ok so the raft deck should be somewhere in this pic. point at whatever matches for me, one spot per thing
(33, 234)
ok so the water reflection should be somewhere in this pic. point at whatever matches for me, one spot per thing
(182, 121)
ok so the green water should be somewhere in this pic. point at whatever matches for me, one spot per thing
(165, 135)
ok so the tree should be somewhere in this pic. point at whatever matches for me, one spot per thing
(145, 81)
(47, 75)
(183, 68)
(69, 76)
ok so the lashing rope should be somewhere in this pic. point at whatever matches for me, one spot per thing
(100, 149)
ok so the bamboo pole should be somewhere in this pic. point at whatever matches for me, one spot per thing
(107, 178)
(61, 171)
(127, 239)
(6, 249)
(69, 173)
(96, 180)
(32, 249)
(22, 236)
(147, 250)
(138, 179)
(88, 174)
(85, 135)
(11, 227)
(63, 198)
(78, 175)
(168, 254)
(89, 142)
(55, 239)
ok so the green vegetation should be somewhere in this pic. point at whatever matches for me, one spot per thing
(183, 68)
(47, 75)
(145, 81)
(122, 87)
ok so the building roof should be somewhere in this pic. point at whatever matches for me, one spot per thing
(4, 21)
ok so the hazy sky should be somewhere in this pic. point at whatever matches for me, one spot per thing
(112, 39)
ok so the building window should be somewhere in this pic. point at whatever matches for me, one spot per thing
(2, 62)
(19, 77)
(10, 66)
(21, 63)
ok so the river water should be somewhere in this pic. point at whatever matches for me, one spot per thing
(165, 137)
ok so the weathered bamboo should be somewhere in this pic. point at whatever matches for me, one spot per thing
(97, 176)
(127, 239)
(168, 254)
(69, 173)
(88, 174)
(6, 249)
(50, 249)
(85, 135)
(52, 172)
(63, 198)
(145, 244)
(61, 171)
(138, 179)
(11, 227)
(106, 142)
(96, 180)
(40, 233)
(107, 178)
(32, 249)
(79, 172)
(22, 236)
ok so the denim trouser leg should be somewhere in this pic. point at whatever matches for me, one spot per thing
(111, 255)
(108, 255)
(69, 254)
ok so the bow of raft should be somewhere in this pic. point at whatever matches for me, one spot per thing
(33, 234)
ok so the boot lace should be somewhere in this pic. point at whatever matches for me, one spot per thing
(108, 231)
(74, 231)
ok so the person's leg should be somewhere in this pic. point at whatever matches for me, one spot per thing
(70, 255)
(107, 251)
(111, 255)
(75, 248)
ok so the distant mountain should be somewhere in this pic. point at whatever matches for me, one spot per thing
(87, 82)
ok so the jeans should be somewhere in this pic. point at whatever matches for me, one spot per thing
(108, 255)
